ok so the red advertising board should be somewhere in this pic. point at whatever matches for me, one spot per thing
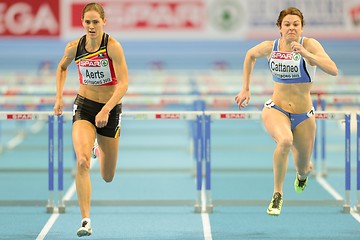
(148, 14)
(27, 18)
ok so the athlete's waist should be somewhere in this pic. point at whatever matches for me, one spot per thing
(282, 79)
(291, 106)
(99, 94)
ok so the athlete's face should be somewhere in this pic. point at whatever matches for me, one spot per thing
(291, 28)
(93, 24)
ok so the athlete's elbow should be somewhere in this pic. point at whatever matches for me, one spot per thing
(126, 86)
(334, 71)
(331, 70)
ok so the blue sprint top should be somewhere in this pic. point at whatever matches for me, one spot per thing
(290, 67)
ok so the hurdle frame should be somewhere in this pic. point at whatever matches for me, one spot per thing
(196, 118)
(358, 161)
(203, 150)
(251, 115)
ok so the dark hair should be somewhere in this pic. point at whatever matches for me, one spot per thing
(94, 6)
(290, 11)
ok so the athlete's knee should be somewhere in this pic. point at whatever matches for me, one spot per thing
(285, 143)
(83, 164)
(108, 177)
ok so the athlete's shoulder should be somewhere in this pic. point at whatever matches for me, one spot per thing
(268, 43)
(114, 45)
(262, 49)
(113, 41)
(72, 44)
(71, 48)
(311, 43)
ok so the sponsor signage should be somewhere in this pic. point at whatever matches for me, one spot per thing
(179, 19)
(19, 116)
(167, 116)
(148, 14)
(232, 116)
(28, 18)
(322, 116)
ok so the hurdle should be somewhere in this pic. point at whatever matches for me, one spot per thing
(41, 116)
(319, 104)
(322, 101)
(193, 116)
(256, 115)
(203, 121)
(358, 161)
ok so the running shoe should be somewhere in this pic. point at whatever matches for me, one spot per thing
(299, 185)
(275, 205)
(95, 149)
(85, 229)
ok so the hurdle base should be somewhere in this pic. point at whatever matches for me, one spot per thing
(50, 206)
(357, 208)
(323, 168)
(197, 208)
(50, 209)
(209, 208)
(346, 209)
(61, 209)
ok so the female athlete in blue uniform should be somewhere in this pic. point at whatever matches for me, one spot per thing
(289, 115)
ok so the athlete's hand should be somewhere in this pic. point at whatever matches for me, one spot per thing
(242, 99)
(58, 107)
(298, 48)
(101, 119)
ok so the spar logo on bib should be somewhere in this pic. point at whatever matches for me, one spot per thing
(286, 56)
(90, 63)
(282, 55)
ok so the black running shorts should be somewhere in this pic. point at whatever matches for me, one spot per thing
(85, 109)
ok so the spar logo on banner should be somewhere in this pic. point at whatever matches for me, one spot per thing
(355, 15)
(148, 14)
(29, 18)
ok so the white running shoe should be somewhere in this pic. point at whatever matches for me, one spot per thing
(95, 149)
(85, 229)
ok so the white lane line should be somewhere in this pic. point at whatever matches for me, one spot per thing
(48, 225)
(206, 226)
(355, 214)
(329, 188)
(72, 190)
(69, 193)
(337, 196)
(15, 141)
(205, 216)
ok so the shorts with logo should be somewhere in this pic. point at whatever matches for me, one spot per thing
(85, 109)
(295, 119)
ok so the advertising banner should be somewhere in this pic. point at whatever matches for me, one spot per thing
(215, 19)
(180, 19)
(29, 18)
(146, 18)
